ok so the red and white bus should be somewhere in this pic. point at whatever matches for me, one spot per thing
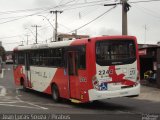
(81, 70)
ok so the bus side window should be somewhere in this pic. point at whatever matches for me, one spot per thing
(70, 64)
(21, 57)
(82, 58)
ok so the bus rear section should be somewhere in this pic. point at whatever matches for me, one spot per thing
(117, 69)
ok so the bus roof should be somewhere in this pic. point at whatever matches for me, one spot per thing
(67, 43)
(45, 45)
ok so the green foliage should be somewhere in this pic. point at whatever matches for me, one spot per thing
(2, 53)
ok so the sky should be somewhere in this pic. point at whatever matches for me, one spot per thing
(18, 18)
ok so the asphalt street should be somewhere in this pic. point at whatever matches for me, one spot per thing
(13, 100)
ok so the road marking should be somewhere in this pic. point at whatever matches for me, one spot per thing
(6, 69)
(3, 91)
(19, 99)
(2, 74)
(13, 104)
(19, 106)
(8, 102)
(36, 106)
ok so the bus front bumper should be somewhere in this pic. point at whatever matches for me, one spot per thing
(98, 95)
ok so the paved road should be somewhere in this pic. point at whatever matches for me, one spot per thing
(17, 101)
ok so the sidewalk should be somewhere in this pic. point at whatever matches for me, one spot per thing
(149, 93)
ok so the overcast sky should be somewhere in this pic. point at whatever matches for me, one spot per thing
(18, 16)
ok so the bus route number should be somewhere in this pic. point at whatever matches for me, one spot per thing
(132, 72)
(103, 72)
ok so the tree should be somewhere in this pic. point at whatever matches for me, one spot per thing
(2, 53)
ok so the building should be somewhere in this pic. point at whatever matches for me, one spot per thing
(63, 37)
(150, 60)
(9, 57)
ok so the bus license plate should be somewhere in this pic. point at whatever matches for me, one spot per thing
(116, 83)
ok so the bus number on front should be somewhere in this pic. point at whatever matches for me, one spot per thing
(103, 72)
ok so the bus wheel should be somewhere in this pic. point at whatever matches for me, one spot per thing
(55, 93)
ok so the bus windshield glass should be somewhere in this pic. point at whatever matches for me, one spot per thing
(115, 52)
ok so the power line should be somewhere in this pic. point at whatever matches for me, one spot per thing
(60, 1)
(93, 2)
(81, 5)
(28, 10)
(67, 2)
(12, 43)
(72, 8)
(11, 17)
(47, 8)
(94, 19)
(148, 12)
(144, 1)
(22, 17)
(10, 37)
(87, 11)
(33, 9)
(44, 9)
(65, 5)
(37, 13)
(116, 3)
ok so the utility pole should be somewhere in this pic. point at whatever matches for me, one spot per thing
(76, 33)
(125, 9)
(27, 38)
(36, 31)
(56, 23)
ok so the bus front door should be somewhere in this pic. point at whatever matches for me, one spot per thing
(74, 84)
(27, 71)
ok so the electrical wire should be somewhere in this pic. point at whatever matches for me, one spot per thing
(21, 17)
(26, 10)
(65, 6)
(93, 2)
(12, 43)
(67, 2)
(73, 8)
(144, 1)
(8, 37)
(48, 26)
(148, 12)
(81, 5)
(94, 19)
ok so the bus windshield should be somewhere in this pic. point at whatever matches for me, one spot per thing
(115, 52)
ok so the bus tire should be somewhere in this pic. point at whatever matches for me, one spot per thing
(55, 93)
